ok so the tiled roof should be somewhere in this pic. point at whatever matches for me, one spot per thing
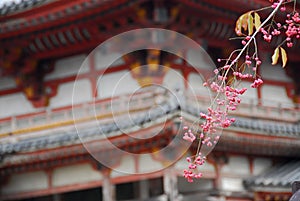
(59, 138)
(267, 127)
(17, 7)
(71, 137)
(281, 175)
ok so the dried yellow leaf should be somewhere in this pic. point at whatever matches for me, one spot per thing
(283, 57)
(245, 21)
(238, 27)
(275, 56)
(257, 21)
(250, 24)
(241, 23)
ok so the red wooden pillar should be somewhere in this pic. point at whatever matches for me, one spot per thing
(108, 189)
(218, 160)
(218, 179)
(93, 74)
(170, 184)
(185, 72)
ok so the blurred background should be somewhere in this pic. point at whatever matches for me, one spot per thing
(51, 80)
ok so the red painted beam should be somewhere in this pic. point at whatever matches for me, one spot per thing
(66, 19)
(34, 10)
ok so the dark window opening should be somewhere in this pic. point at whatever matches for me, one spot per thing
(43, 198)
(94, 194)
(156, 187)
(125, 191)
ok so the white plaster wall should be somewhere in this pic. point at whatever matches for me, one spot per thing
(198, 185)
(195, 85)
(237, 165)
(147, 164)
(178, 61)
(183, 164)
(270, 72)
(69, 66)
(207, 167)
(14, 104)
(7, 83)
(127, 166)
(82, 93)
(273, 95)
(114, 84)
(26, 182)
(250, 96)
(261, 164)
(102, 60)
(232, 184)
(75, 174)
(198, 59)
(173, 80)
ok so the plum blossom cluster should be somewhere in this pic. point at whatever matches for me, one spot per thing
(190, 174)
(292, 28)
(227, 98)
(289, 28)
(242, 64)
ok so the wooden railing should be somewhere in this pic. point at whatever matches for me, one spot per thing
(272, 110)
(97, 109)
(105, 108)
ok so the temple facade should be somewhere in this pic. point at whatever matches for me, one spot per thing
(79, 121)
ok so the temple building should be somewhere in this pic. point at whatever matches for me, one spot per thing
(94, 95)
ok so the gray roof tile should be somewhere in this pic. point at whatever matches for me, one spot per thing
(281, 175)
(17, 7)
(71, 137)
